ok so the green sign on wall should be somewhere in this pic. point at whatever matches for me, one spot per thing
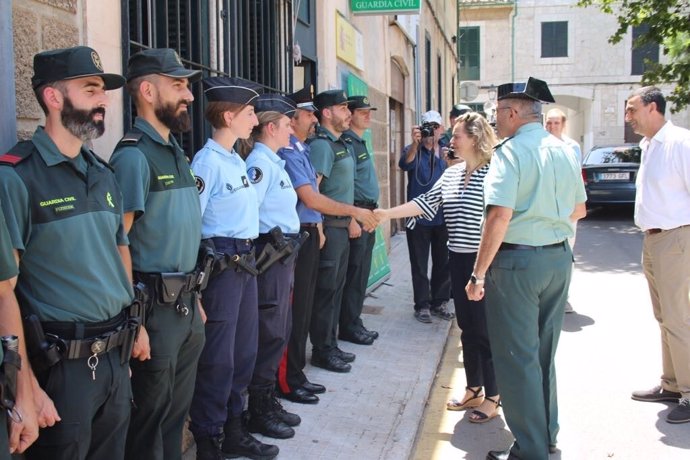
(385, 6)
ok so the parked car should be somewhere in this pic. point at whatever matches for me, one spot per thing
(609, 173)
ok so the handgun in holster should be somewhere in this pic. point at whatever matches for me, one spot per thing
(205, 263)
(43, 353)
(279, 249)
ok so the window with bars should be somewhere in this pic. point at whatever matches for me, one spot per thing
(554, 39)
(249, 39)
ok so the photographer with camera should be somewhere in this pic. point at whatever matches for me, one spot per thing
(423, 160)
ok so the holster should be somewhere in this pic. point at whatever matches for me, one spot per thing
(11, 364)
(279, 248)
(42, 353)
(205, 263)
(168, 287)
(221, 261)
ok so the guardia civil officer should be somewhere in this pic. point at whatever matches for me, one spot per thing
(163, 218)
(334, 163)
(15, 372)
(533, 193)
(278, 229)
(230, 223)
(361, 243)
(70, 241)
(293, 384)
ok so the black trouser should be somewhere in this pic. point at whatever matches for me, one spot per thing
(94, 413)
(290, 372)
(471, 316)
(329, 290)
(355, 290)
(419, 241)
(163, 385)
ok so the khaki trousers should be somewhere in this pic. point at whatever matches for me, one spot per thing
(666, 262)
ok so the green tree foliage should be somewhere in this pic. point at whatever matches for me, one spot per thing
(669, 26)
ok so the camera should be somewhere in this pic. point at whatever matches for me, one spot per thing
(451, 153)
(427, 129)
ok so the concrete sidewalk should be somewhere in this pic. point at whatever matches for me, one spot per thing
(374, 411)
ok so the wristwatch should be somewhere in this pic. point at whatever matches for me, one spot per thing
(475, 280)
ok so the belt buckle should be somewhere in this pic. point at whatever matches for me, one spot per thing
(97, 347)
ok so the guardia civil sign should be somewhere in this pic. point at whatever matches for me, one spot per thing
(385, 6)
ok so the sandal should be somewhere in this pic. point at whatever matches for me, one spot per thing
(477, 416)
(470, 403)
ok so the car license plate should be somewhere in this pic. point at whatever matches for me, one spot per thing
(614, 176)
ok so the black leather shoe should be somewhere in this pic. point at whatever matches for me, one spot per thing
(344, 356)
(314, 388)
(501, 455)
(331, 363)
(300, 395)
(656, 394)
(374, 334)
(358, 337)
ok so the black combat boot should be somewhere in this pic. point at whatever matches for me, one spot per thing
(263, 419)
(208, 448)
(239, 443)
(288, 418)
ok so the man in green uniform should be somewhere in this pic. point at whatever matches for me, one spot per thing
(163, 218)
(533, 194)
(71, 247)
(361, 242)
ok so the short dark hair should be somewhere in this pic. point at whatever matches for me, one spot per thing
(38, 92)
(651, 94)
(215, 111)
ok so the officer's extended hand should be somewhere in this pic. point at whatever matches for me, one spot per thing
(23, 432)
(368, 219)
(142, 347)
(45, 409)
(382, 214)
(474, 291)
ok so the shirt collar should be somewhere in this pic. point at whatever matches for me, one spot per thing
(330, 135)
(216, 147)
(263, 149)
(49, 151)
(527, 127)
(145, 127)
(353, 135)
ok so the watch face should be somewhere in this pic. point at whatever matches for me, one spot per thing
(473, 279)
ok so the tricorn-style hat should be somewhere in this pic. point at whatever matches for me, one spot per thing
(304, 98)
(359, 102)
(330, 98)
(162, 61)
(534, 89)
(459, 109)
(275, 103)
(231, 89)
(69, 63)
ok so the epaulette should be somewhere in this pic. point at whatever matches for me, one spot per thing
(299, 146)
(17, 154)
(502, 142)
(131, 138)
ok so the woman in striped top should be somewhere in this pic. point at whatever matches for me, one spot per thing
(460, 191)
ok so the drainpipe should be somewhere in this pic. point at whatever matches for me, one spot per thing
(417, 74)
(512, 41)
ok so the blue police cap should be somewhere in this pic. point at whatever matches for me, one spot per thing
(231, 89)
(304, 98)
(275, 103)
(534, 89)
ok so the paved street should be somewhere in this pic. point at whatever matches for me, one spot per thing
(608, 348)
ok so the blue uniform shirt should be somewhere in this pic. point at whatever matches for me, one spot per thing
(229, 203)
(421, 176)
(277, 197)
(301, 172)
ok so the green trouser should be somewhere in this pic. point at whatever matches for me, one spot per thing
(4, 440)
(94, 412)
(526, 291)
(356, 280)
(163, 385)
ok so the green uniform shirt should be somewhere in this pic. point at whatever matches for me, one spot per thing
(540, 180)
(332, 157)
(67, 227)
(366, 182)
(158, 186)
(8, 267)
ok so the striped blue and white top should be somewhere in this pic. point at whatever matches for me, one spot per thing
(463, 207)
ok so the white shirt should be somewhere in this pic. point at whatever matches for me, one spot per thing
(574, 145)
(663, 181)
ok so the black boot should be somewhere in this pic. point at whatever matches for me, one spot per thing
(288, 418)
(263, 419)
(208, 448)
(239, 443)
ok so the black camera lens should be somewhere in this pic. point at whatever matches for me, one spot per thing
(427, 129)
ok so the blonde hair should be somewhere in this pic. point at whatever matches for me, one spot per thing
(476, 127)
(265, 118)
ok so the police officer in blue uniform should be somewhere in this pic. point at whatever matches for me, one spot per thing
(278, 229)
(230, 223)
(63, 209)
(163, 218)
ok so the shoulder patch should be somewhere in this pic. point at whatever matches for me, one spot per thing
(17, 154)
(299, 146)
(10, 159)
(200, 184)
(255, 174)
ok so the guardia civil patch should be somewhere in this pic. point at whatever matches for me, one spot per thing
(255, 175)
(200, 184)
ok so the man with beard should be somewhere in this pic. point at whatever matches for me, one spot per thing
(333, 162)
(63, 210)
(163, 218)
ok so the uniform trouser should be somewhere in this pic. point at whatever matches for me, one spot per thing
(420, 240)
(526, 291)
(666, 262)
(290, 372)
(163, 385)
(227, 361)
(471, 317)
(329, 290)
(356, 281)
(274, 287)
(4, 439)
(94, 413)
